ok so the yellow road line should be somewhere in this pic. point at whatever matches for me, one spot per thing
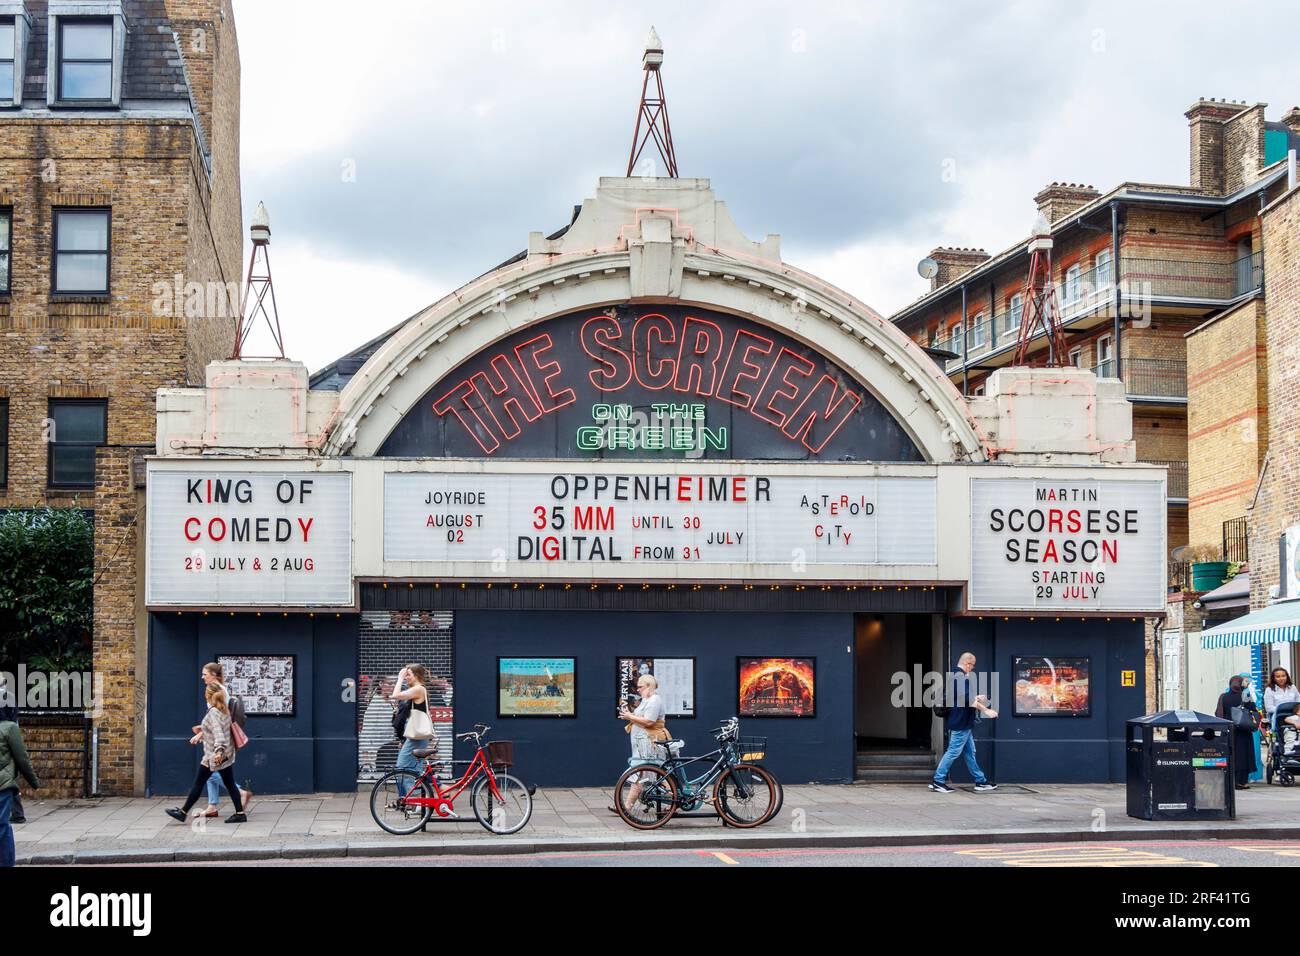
(1082, 856)
(726, 859)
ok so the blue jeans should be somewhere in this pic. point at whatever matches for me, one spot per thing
(6, 831)
(961, 743)
(406, 761)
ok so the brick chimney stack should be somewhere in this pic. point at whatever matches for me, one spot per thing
(1206, 118)
(954, 263)
(1291, 120)
(1058, 200)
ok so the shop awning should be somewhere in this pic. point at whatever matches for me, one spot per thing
(1272, 625)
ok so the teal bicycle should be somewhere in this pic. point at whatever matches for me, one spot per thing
(743, 793)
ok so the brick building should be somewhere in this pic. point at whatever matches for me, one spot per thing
(1163, 287)
(120, 243)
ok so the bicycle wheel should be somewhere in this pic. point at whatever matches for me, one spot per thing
(650, 806)
(507, 813)
(747, 796)
(388, 802)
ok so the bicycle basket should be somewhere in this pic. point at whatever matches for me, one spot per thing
(751, 749)
(501, 753)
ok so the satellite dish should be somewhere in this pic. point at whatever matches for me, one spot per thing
(927, 268)
(1177, 555)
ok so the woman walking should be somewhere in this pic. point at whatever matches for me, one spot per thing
(214, 675)
(218, 757)
(412, 685)
(1244, 748)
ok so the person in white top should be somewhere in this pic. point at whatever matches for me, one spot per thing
(1280, 690)
(648, 717)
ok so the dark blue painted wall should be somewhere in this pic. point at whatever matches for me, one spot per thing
(1055, 749)
(591, 750)
(313, 751)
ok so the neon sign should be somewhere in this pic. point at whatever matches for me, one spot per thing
(674, 428)
(661, 381)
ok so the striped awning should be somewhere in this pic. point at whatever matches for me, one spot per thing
(1272, 625)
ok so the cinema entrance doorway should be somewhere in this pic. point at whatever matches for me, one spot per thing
(896, 737)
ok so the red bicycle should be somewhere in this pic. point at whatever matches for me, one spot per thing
(403, 801)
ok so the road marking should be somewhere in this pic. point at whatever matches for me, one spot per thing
(1293, 850)
(726, 859)
(1079, 856)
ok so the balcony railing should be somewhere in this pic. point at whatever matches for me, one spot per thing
(1236, 541)
(1155, 378)
(1140, 279)
(1177, 481)
(1183, 279)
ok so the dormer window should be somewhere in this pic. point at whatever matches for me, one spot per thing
(85, 59)
(15, 27)
(87, 40)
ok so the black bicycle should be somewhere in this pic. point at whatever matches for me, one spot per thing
(744, 793)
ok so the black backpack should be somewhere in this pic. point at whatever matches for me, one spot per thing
(400, 717)
(941, 710)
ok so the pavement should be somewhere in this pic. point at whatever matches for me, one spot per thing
(329, 826)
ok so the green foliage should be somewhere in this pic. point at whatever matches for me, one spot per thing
(46, 581)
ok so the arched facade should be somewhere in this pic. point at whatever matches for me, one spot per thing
(644, 242)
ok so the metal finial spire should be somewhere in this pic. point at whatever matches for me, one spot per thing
(653, 111)
(258, 289)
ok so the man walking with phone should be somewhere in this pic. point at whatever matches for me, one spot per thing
(961, 727)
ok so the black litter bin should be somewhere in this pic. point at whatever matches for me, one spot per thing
(1180, 767)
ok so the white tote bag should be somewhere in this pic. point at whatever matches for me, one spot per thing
(418, 726)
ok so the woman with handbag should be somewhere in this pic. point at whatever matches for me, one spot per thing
(218, 757)
(214, 675)
(412, 685)
(1244, 716)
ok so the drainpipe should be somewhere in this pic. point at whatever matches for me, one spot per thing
(965, 337)
(993, 317)
(1114, 265)
(1262, 277)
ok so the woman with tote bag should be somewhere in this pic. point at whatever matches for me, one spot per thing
(412, 685)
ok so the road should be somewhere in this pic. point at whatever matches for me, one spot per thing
(1121, 854)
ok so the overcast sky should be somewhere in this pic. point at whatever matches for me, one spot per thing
(404, 148)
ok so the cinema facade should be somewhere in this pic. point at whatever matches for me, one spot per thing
(647, 444)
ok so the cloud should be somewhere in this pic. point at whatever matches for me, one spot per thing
(425, 142)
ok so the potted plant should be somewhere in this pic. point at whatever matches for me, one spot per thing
(1209, 570)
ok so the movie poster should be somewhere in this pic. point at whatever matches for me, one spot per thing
(263, 684)
(1053, 686)
(777, 686)
(676, 676)
(537, 687)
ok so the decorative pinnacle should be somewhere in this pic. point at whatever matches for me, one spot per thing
(654, 52)
(260, 229)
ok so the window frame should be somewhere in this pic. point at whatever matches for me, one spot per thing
(113, 66)
(8, 97)
(106, 252)
(957, 333)
(1015, 307)
(977, 331)
(51, 446)
(1105, 347)
(1104, 257)
(4, 442)
(1071, 284)
(1076, 356)
(7, 253)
